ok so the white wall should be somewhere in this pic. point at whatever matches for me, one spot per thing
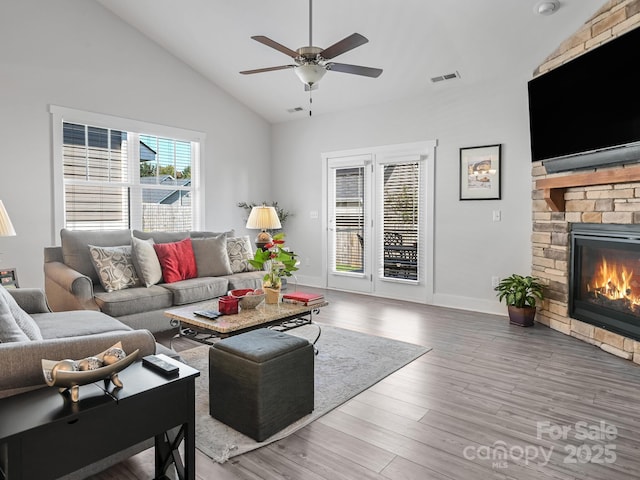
(469, 247)
(76, 54)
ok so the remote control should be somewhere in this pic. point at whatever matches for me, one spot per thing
(164, 368)
(210, 314)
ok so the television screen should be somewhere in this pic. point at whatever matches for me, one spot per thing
(590, 103)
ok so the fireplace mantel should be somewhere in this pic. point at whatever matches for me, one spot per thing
(555, 187)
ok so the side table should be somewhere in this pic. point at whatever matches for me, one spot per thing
(43, 435)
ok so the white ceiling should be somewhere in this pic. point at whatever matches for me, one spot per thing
(411, 40)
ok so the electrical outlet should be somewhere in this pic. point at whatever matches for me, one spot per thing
(495, 281)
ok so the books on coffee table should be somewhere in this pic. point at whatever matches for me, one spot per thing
(303, 298)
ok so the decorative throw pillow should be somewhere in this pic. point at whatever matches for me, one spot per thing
(9, 329)
(177, 260)
(114, 266)
(211, 255)
(146, 261)
(240, 252)
(22, 319)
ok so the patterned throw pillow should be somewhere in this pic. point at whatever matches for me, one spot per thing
(114, 266)
(240, 251)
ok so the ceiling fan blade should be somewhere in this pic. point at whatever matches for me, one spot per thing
(354, 69)
(349, 43)
(273, 44)
(268, 69)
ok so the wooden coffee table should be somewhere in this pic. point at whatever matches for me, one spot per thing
(281, 316)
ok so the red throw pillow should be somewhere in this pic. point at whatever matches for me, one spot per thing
(177, 260)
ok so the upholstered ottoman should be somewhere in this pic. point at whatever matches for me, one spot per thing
(261, 381)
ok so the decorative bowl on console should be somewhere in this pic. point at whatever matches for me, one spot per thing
(248, 297)
(69, 374)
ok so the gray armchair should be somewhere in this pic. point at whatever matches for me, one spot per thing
(75, 334)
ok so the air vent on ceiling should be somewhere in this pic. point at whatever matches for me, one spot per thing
(295, 109)
(448, 76)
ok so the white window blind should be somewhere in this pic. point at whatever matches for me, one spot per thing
(350, 232)
(400, 197)
(95, 166)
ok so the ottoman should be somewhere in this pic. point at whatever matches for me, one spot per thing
(261, 381)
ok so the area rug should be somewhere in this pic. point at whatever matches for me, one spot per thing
(347, 363)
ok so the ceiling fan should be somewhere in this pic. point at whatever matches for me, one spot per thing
(311, 63)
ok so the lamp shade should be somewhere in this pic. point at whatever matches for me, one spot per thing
(6, 227)
(263, 218)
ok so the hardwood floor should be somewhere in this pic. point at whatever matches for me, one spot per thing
(485, 385)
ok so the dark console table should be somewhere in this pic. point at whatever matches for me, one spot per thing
(44, 435)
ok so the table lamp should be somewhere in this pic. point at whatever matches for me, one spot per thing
(6, 227)
(263, 218)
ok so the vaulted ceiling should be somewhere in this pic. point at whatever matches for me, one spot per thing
(411, 40)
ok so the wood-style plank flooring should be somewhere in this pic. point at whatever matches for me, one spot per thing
(486, 387)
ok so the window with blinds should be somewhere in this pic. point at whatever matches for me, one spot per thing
(400, 220)
(122, 179)
(349, 220)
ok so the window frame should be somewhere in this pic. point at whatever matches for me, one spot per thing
(64, 114)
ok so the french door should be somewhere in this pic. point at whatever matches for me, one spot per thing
(379, 221)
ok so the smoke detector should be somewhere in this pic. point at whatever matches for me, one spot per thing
(546, 7)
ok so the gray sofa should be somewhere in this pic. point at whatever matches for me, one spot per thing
(57, 336)
(72, 281)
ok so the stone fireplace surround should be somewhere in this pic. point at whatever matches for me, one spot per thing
(598, 195)
(610, 203)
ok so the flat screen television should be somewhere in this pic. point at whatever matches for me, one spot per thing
(588, 104)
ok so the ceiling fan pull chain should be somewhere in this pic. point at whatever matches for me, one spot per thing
(310, 102)
(310, 25)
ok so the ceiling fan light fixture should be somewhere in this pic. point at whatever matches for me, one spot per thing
(310, 73)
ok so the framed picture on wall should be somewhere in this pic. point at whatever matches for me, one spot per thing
(480, 173)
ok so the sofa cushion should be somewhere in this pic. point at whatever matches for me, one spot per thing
(75, 247)
(200, 234)
(212, 259)
(133, 300)
(22, 319)
(146, 261)
(240, 252)
(161, 237)
(245, 280)
(177, 260)
(76, 323)
(114, 266)
(197, 289)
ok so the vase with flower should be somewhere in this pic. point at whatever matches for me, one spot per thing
(277, 262)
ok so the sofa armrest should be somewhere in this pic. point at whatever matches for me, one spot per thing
(67, 289)
(21, 362)
(31, 300)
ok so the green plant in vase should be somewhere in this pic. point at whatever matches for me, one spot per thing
(277, 262)
(520, 294)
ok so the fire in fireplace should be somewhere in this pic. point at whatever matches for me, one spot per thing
(604, 284)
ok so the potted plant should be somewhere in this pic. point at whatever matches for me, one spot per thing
(277, 262)
(520, 294)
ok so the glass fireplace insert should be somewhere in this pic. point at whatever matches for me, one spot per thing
(604, 281)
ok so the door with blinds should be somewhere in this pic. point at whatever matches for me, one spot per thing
(380, 222)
